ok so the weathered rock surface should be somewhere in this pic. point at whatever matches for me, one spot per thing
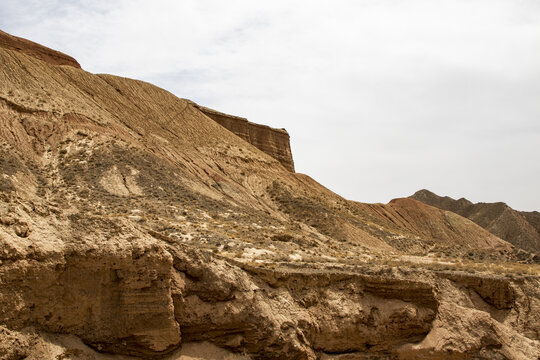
(36, 50)
(116, 301)
(139, 299)
(274, 142)
(132, 225)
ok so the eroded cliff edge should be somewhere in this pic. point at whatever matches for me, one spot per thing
(38, 51)
(274, 142)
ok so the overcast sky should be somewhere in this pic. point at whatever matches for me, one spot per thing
(381, 97)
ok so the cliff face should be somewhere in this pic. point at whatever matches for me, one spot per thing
(274, 142)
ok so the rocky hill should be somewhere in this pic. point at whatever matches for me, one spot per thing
(31, 48)
(517, 227)
(133, 225)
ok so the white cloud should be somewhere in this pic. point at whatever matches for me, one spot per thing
(381, 97)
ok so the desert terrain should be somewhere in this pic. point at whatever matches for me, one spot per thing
(138, 225)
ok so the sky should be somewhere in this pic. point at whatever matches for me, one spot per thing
(381, 98)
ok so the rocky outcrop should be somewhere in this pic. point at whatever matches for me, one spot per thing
(495, 291)
(298, 313)
(145, 297)
(36, 50)
(116, 300)
(274, 142)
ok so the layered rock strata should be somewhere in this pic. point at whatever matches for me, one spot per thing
(41, 52)
(274, 142)
(146, 297)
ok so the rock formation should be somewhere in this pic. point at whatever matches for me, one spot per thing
(274, 142)
(133, 225)
(517, 227)
(41, 52)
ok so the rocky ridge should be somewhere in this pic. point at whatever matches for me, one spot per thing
(132, 225)
(517, 227)
(274, 142)
(36, 50)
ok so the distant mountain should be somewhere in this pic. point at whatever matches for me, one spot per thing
(517, 227)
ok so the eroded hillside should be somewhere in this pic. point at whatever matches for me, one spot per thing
(134, 225)
(517, 227)
(274, 142)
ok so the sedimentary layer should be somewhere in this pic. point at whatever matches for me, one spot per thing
(274, 142)
(36, 50)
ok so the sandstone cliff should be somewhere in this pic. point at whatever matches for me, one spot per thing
(132, 226)
(274, 142)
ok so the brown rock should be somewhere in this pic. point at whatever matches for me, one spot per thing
(22, 230)
(109, 299)
(274, 142)
(496, 291)
(7, 219)
(36, 50)
(517, 227)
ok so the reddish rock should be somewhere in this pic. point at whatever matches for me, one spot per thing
(274, 142)
(36, 50)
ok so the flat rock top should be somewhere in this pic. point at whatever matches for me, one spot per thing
(36, 50)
